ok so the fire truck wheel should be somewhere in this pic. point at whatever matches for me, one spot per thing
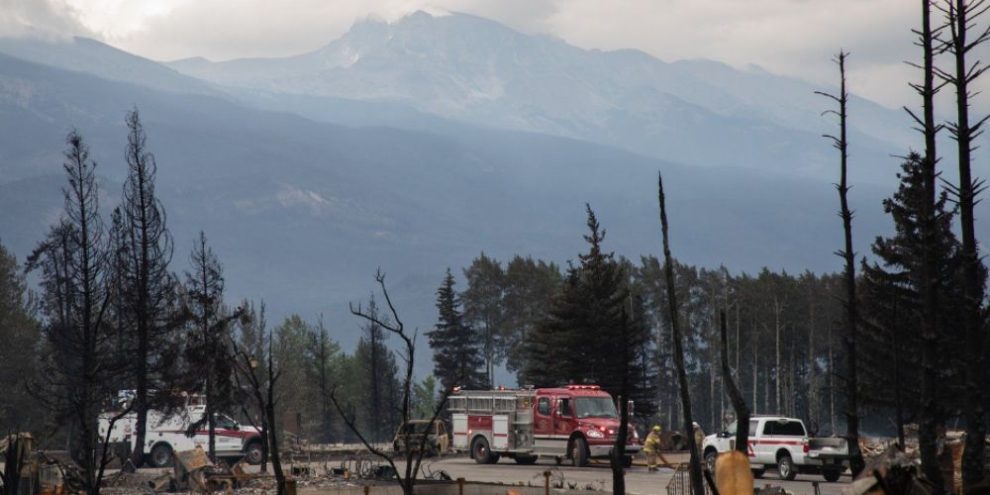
(480, 451)
(161, 455)
(526, 460)
(579, 452)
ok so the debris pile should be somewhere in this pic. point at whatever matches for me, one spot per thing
(905, 463)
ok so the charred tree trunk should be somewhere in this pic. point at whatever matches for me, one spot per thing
(738, 403)
(831, 384)
(856, 463)
(697, 482)
(619, 447)
(776, 340)
(812, 374)
(272, 422)
(928, 424)
(961, 17)
(756, 366)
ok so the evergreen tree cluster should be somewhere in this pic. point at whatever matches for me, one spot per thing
(457, 347)
(784, 342)
(594, 330)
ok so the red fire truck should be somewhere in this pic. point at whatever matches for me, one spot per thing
(576, 422)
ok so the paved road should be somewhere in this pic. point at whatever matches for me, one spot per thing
(638, 479)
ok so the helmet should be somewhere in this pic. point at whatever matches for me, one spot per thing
(695, 424)
(656, 428)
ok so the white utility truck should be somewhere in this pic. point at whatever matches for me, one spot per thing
(167, 434)
(782, 442)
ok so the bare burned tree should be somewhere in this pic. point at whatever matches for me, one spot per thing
(961, 16)
(413, 456)
(927, 40)
(697, 486)
(76, 294)
(206, 349)
(856, 463)
(272, 424)
(148, 292)
(738, 402)
(617, 460)
(261, 386)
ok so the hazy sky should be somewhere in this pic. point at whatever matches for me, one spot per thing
(792, 37)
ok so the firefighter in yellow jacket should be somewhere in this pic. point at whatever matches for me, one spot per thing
(651, 447)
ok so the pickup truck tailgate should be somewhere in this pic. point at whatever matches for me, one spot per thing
(828, 448)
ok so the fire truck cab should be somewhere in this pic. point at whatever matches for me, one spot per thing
(575, 422)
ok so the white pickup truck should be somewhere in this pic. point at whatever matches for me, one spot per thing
(166, 435)
(784, 443)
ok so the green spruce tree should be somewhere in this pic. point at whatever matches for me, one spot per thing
(457, 356)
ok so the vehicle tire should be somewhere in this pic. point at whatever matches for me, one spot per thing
(579, 452)
(481, 452)
(710, 456)
(525, 460)
(758, 473)
(831, 475)
(786, 468)
(253, 453)
(160, 456)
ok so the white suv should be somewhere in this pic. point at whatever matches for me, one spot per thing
(782, 442)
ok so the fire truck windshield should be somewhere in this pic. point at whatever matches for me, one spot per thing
(594, 407)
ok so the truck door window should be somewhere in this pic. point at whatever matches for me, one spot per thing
(769, 428)
(790, 428)
(753, 425)
(225, 422)
(564, 407)
(543, 406)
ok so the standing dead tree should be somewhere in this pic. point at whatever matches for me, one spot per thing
(961, 16)
(738, 402)
(697, 486)
(148, 291)
(261, 385)
(76, 294)
(413, 456)
(929, 267)
(272, 424)
(856, 463)
(206, 349)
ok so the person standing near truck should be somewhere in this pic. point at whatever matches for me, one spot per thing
(651, 447)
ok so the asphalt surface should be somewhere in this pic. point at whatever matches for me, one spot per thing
(638, 479)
